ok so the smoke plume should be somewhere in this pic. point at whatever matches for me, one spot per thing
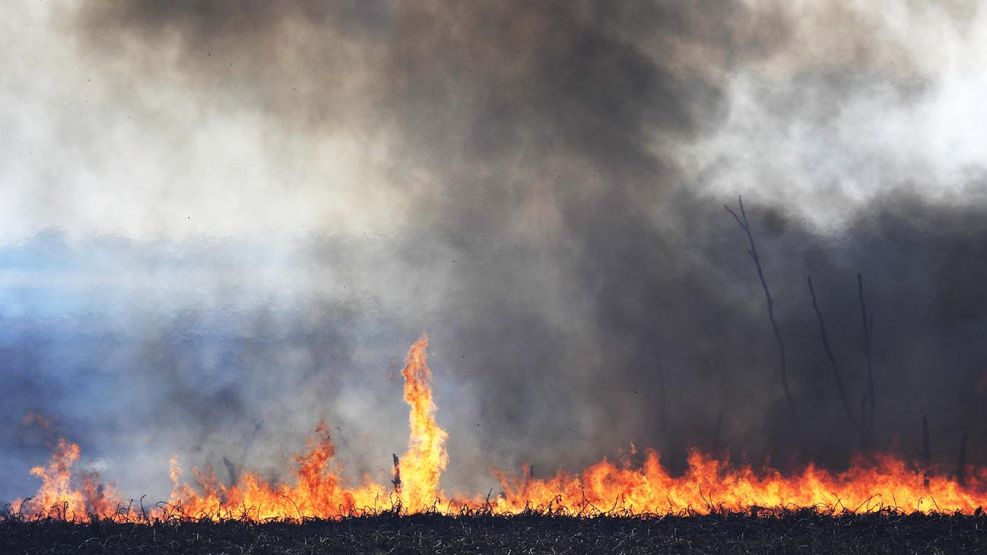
(224, 221)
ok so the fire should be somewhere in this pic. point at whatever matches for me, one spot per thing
(426, 458)
(66, 494)
(318, 490)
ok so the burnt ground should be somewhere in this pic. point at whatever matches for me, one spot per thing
(787, 532)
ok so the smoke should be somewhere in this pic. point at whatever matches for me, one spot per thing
(259, 206)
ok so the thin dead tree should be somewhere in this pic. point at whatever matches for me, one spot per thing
(752, 252)
(230, 470)
(837, 375)
(961, 461)
(662, 404)
(867, 401)
(717, 445)
(926, 445)
(926, 449)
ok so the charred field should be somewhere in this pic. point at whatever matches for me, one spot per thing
(786, 531)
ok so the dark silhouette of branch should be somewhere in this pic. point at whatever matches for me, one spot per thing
(832, 359)
(230, 470)
(867, 401)
(926, 445)
(926, 449)
(662, 403)
(961, 461)
(717, 446)
(752, 252)
(396, 480)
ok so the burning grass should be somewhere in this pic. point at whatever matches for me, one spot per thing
(641, 505)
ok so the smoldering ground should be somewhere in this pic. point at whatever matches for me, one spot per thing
(534, 205)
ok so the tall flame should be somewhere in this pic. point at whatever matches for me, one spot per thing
(709, 484)
(426, 458)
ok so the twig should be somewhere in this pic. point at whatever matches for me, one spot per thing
(868, 400)
(230, 470)
(752, 252)
(926, 449)
(301, 517)
(716, 432)
(832, 359)
(961, 461)
(662, 404)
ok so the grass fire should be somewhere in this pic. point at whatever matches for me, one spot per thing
(501, 275)
(874, 483)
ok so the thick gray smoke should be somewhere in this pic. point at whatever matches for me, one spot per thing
(542, 194)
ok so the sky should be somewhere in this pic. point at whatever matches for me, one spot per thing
(221, 222)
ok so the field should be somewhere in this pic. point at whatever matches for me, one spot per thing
(796, 531)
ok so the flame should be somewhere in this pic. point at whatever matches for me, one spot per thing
(317, 491)
(64, 493)
(426, 458)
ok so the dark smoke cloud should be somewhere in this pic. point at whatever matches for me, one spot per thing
(577, 283)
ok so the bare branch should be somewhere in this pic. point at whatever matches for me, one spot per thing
(736, 217)
(926, 446)
(663, 403)
(716, 433)
(926, 449)
(752, 252)
(832, 359)
(961, 461)
(867, 401)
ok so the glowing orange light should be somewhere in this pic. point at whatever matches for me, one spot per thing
(318, 491)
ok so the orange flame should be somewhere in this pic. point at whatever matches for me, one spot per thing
(426, 458)
(62, 496)
(318, 491)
